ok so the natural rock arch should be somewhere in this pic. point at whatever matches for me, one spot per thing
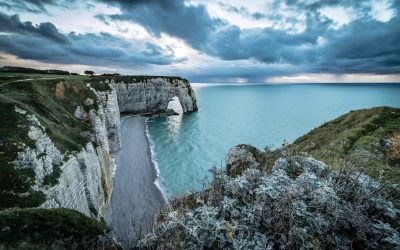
(153, 95)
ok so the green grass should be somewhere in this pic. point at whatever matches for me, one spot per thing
(41, 226)
(338, 142)
(6, 77)
(135, 78)
(343, 137)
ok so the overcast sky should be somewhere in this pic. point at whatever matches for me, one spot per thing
(208, 41)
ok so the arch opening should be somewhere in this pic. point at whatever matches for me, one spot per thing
(175, 105)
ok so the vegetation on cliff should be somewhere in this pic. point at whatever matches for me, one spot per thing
(59, 228)
(52, 102)
(137, 78)
(366, 139)
(300, 203)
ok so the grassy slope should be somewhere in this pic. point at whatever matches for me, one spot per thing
(138, 78)
(45, 226)
(339, 142)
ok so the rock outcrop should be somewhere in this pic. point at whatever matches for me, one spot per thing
(238, 159)
(242, 157)
(153, 95)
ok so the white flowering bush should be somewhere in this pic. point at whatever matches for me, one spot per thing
(299, 205)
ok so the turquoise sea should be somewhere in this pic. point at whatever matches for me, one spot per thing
(186, 146)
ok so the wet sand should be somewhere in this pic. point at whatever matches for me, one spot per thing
(135, 200)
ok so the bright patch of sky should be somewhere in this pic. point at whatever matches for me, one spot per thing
(381, 10)
(332, 78)
(340, 15)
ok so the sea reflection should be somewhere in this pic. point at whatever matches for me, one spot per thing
(174, 123)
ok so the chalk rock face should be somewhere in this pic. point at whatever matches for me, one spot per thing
(42, 158)
(238, 159)
(85, 183)
(79, 185)
(153, 95)
(111, 111)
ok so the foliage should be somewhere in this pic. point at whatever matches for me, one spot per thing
(12, 69)
(300, 204)
(36, 228)
(394, 147)
(136, 78)
(338, 141)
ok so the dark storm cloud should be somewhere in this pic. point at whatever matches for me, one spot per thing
(364, 45)
(266, 45)
(34, 6)
(45, 43)
(46, 30)
(252, 73)
(190, 23)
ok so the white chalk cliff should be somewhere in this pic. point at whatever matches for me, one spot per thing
(85, 183)
(154, 95)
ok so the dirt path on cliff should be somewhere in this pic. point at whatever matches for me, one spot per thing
(135, 199)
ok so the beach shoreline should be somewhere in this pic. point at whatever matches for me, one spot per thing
(154, 164)
(136, 199)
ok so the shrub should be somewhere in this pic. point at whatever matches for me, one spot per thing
(60, 228)
(300, 204)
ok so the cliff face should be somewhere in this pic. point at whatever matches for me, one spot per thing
(85, 183)
(69, 141)
(153, 95)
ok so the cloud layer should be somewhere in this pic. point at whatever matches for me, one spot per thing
(297, 36)
(44, 42)
(364, 45)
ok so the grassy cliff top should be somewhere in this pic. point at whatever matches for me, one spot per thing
(136, 78)
(6, 77)
(366, 139)
(47, 227)
(368, 136)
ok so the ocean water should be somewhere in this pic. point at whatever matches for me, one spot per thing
(186, 146)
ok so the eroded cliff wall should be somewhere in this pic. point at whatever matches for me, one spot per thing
(153, 95)
(85, 183)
